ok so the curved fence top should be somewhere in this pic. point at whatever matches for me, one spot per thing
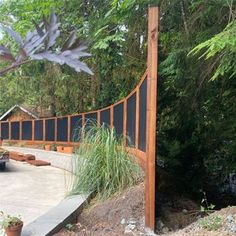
(128, 117)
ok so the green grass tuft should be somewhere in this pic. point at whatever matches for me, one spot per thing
(103, 165)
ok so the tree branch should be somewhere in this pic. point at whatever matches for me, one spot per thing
(12, 67)
(184, 18)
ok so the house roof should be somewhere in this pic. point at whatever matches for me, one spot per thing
(21, 108)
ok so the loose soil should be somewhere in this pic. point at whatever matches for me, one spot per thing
(106, 218)
(219, 223)
(124, 215)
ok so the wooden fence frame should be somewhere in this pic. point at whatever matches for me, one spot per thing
(147, 158)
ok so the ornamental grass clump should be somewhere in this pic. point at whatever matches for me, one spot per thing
(103, 165)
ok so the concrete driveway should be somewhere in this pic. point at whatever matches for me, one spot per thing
(31, 191)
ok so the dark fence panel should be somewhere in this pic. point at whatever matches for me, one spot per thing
(26, 130)
(131, 120)
(62, 129)
(91, 118)
(105, 117)
(76, 123)
(142, 116)
(38, 130)
(50, 130)
(15, 130)
(119, 118)
(75, 128)
(5, 130)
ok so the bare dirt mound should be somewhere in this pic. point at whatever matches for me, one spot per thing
(123, 215)
(219, 223)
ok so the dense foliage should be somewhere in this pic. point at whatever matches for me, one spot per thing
(196, 126)
(196, 114)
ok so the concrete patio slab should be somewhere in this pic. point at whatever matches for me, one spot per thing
(31, 191)
(41, 191)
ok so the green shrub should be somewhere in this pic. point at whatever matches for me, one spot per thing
(211, 223)
(70, 227)
(103, 165)
(9, 221)
(54, 147)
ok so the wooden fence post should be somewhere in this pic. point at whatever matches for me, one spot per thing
(137, 119)
(20, 130)
(83, 127)
(9, 130)
(55, 131)
(68, 128)
(33, 125)
(44, 130)
(153, 16)
(112, 116)
(99, 118)
(125, 122)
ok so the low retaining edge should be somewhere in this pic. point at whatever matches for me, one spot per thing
(56, 218)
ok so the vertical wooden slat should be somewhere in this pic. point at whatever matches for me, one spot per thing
(20, 132)
(112, 116)
(9, 130)
(33, 125)
(44, 130)
(55, 131)
(99, 118)
(125, 122)
(151, 117)
(137, 119)
(68, 128)
(1, 130)
(83, 120)
(83, 127)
